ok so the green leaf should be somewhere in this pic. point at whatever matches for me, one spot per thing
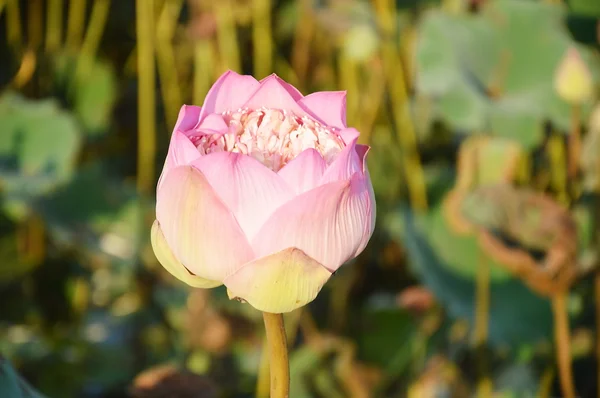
(436, 57)
(39, 144)
(93, 205)
(589, 8)
(508, 53)
(463, 107)
(383, 334)
(460, 253)
(302, 362)
(92, 93)
(447, 265)
(95, 97)
(12, 264)
(514, 120)
(41, 137)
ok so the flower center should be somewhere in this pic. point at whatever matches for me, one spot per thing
(272, 136)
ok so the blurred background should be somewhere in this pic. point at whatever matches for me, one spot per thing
(485, 132)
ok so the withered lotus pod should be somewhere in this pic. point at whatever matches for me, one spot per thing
(527, 232)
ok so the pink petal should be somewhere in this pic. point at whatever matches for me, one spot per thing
(293, 91)
(213, 122)
(327, 223)
(188, 118)
(372, 210)
(181, 152)
(304, 171)
(327, 106)
(250, 190)
(362, 151)
(345, 164)
(201, 232)
(349, 135)
(229, 92)
(275, 93)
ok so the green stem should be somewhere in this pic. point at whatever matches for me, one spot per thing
(482, 308)
(303, 35)
(262, 38)
(167, 65)
(574, 149)
(204, 69)
(279, 364)
(400, 101)
(563, 344)
(93, 36)
(54, 22)
(227, 35)
(597, 299)
(146, 94)
(263, 383)
(13, 24)
(35, 17)
(75, 23)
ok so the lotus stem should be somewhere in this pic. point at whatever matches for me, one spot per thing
(227, 35)
(31, 240)
(26, 70)
(204, 62)
(146, 94)
(597, 299)
(167, 69)
(302, 40)
(93, 35)
(376, 89)
(75, 22)
(558, 167)
(262, 38)
(394, 72)
(54, 21)
(263, 382)
(499, 74)
(13, 23)
(481, 330)
(563, 344)
(278, 355)
(597, 279)
(574, 143)
(348, 72)
(545, 385)
(35, 16)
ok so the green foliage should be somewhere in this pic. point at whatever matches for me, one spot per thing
(494, 72)
(447, 264)
(589, 8)
(39, 143)
(97, 212)
(12, 264)
(92, 90)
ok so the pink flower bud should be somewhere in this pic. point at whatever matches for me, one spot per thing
(263, 190)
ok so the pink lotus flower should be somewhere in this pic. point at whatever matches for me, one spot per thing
(263, 190)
